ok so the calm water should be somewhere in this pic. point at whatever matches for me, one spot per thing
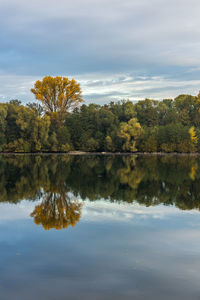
(91, 227)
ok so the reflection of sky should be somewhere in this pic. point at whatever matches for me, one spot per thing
(104, 210)
(100, 210)
(117, 251)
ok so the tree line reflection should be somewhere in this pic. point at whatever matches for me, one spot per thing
(57, 181)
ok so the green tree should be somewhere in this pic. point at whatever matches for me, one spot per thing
(3, 125)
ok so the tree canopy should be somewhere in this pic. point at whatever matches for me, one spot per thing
(146, 126)
(57, 94)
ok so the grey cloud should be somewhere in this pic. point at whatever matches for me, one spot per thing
(138, 37)
(138, 32)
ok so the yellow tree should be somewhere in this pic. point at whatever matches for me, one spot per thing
(57, 94)
(130, 132)
(193, 139)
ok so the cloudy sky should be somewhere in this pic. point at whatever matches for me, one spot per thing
(116, 49)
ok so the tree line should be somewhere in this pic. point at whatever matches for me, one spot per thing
(59, 122)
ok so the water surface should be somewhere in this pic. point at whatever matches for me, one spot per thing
(99, 227)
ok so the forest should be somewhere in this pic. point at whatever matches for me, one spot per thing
(170, 125)
(59, 121)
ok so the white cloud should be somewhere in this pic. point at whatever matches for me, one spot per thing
(102, 210)
(97, 211)
(16, 87)
(103, 88)
(20, 211)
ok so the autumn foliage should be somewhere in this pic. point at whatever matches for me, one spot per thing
(58, 123)
(57, 94)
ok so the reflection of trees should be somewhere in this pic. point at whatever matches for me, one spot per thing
(130, 174)
(193, 171)
(149, 180)
(57, 211)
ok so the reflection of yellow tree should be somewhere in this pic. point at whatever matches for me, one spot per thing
(130, 174)
(57, 211)
(193, 171)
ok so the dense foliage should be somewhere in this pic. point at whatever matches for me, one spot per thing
(147, 126)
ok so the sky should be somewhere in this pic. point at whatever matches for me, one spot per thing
(130, 49)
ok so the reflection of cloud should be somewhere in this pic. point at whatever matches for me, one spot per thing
(160, 261)
(105, 211)
(20, 211)
(97, 211)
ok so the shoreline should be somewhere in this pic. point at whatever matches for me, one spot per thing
(102, 153)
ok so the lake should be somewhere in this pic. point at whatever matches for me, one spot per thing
(99, 227)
